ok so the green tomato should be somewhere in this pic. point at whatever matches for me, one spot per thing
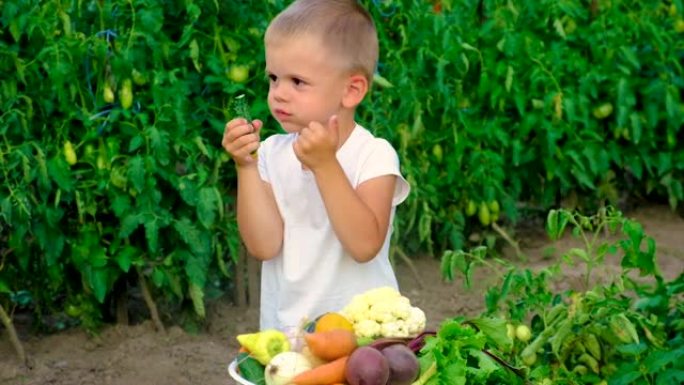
(238, 73)
(484, 215)
(108, 94)
(603, 111)
(494, 207)
(471, 208)
(89, 150)
(679, 26)
(138, 78)
(126, 94)
(70, 153)
(523, 333)
(73, 311)
(437, 152)
(530, 359)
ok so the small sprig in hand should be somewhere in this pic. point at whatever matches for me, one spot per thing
(241, 109)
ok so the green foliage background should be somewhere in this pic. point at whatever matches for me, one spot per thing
(515, 102)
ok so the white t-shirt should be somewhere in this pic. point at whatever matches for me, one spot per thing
(313, 274)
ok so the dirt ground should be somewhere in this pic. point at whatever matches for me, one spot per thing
(138, 355)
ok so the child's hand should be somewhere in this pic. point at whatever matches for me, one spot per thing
(241, 139)
(317, 144)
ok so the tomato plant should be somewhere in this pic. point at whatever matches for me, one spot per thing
(620, 329)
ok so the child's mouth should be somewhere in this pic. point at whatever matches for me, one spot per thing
(281, 114)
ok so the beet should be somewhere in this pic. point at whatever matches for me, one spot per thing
(403, 364)
(367, 366)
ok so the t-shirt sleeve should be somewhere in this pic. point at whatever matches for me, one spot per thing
(382, 160)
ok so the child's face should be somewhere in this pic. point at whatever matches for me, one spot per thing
(305, 84)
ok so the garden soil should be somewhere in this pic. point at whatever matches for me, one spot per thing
(136, 354)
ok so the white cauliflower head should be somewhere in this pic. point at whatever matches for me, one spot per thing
(384, 312)
(367, 328)
(397, 328)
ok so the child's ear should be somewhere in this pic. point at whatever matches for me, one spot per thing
(357, 87)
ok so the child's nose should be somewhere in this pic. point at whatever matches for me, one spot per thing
(278, 92)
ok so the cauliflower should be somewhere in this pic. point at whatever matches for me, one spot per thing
(367, 328)
(394, 329)
(384, 312)
(416, 321)
(357, 310)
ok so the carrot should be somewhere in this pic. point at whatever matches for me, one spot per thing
(326, 374)
(331, 344)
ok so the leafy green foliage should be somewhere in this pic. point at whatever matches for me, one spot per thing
(625, 329)
(527, 102)
(459, 352)
(142, 91)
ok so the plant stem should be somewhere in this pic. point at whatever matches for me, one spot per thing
(410, 264)
(14, 339)
(514, 244)
(151, 305)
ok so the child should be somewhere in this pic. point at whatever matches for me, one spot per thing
(317, 203)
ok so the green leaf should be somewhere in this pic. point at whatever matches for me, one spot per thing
(206, 207)
(486, 366)
(121, 205)
(151, 225)
(159, 140)
(136, 172)
(4, 287)
(576, 252)
(129, 224)
(59, 171)
(446, 265)
(158, 277)
(194, 54)
(671, 104)
(657, 360)
(196, 268)
(556, 221)
(126, 256)
(495, 330)
(670, 376)
(192, 236)
(98, 281)
(135, 143)
(625, 377)
(188, 191)
(630, 56)
(197, 296)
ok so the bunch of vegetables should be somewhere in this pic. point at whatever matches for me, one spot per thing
(338, 350)
(341, 347)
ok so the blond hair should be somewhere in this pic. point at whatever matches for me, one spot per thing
(344, 26)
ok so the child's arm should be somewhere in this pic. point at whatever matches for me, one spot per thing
(259, 221)
(360, 217)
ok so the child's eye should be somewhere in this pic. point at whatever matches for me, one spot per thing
(297, 81)
(272, 78)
